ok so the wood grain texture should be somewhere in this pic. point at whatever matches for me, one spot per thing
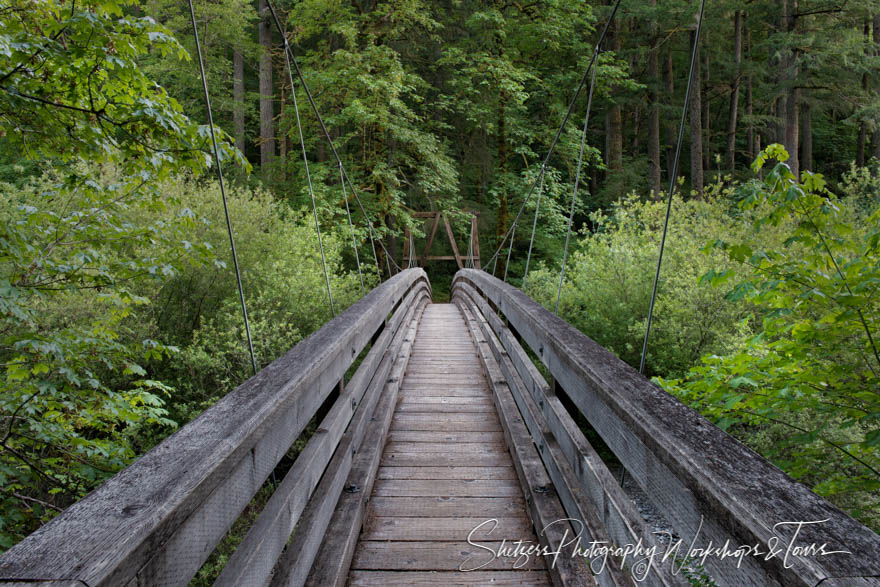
(330, 545)
(433, 579)
(446, 529)
(440, 556)
(587, 488)
(545, 509)
(726, 492)
(445, 471)
(114, 533)
(254, 559)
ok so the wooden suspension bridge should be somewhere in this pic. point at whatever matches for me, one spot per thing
(452, 448)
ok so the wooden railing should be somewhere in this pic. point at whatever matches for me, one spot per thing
(157, 521)
(712, 490)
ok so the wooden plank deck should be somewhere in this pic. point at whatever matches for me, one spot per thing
(445, 470)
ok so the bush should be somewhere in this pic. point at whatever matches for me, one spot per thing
(607, 287)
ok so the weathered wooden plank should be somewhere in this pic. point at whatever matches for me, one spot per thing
(449, 579)
(411, 529)
(397, 472)
(435, 408)
(452, 488)
(473, 391)
(259, 551)
(446, 400)
(446, 507)
(439, 556)
(448, 437)
(590, 491)
(337, 547)
(546, 511)
(439, 459)
(112, 534)
(463, 448)
(571, 494)
(726, 493)
(445, 423)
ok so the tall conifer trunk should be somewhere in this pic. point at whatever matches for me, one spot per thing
(669, 82)
(614, 118)
(750, 126)
(267, 110)
(654, 113)
(790, 71)
(876, 39)
(806, 160)
(238, 98)
(734, 91)
(695, 115)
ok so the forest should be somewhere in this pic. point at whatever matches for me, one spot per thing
(120, 317)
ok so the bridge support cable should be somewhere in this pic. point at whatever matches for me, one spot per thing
(510, 248)
(302, 142)
(574, 99)
(292, 64)
(672, 176)
(470, 254)
(577, 179)
(534, 225)
(247, 326)
(357, 257)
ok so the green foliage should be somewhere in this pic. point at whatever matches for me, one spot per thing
(608, 279)
(75, 265)
(807, 382)
(71, 88)
(199, 309)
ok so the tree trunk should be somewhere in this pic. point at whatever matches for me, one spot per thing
(790, 68)
(613, 139)
(501, 225)
(876, 134)
(734, 91)
(750, 126)
(238, 98)
(267, 111)
(670, 125)
(707, 141)
(282, 140)
(695, 114)
(654, 113)
(806, 160)
(614, 117)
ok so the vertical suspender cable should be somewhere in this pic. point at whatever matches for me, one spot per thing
(534, 225)
(357, 258)
(247, 326)
(672, 175)
(577, 179)
(302, 142)
(291, 60)
(509, 250)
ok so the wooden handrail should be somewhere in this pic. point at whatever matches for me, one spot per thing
(708, 485)
(159, 519)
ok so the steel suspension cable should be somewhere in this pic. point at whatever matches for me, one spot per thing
(302, 142)
(291, 60)
(534, 226)
(577, 179)
(247, 326)
(672, 176)
(568, 112)
(357, 257)
(509, 250)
